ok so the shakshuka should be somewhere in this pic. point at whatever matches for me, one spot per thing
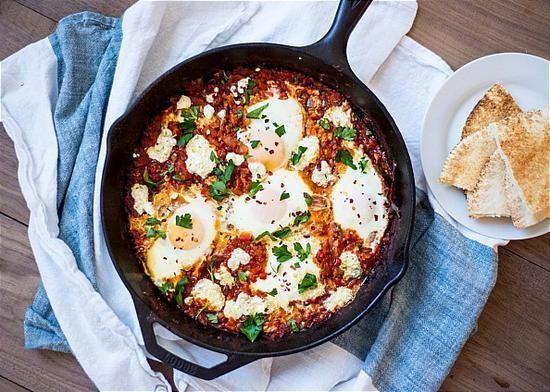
(258, 201)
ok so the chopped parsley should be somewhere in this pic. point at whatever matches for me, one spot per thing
(214, 157)
(165, 287)
(285, 195)
(252, 326)
(265, 233)
(188, 117)
(242, 276)
(302, 218)
(150, 183)
(218, 190)
(239, 113)
(212, 318)
(281, 233)
(152, 221)
(249, 86)
(345, 157)
(364, 164)
(180, 286)
(185, 137)
(177, 177)
(256, 113)
(255, 187)
(151, 232)
(324, 123)
(296, 264)
(345, 133)
(225, 77)
(273, 292)
(281, 253)
(293, 325)
(302, 253)
(206, 305)
(225, 174)
(279, 130)
(308, 198)
(254, 143)
(169, 170)
(184, 221)
(309, 282)
(296, 156)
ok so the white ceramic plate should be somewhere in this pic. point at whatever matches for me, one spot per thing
(526, 77)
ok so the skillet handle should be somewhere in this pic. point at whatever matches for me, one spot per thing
(147, 318)
(332, 47)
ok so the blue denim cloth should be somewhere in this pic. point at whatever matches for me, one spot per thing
(410, 339)
(86, 46)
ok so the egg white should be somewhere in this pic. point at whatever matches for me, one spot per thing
(164, 261)
(245, 214)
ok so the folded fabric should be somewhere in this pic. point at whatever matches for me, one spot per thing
(408, 342)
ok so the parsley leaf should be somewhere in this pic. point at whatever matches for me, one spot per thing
(302, 253)
(345, 157)
(254, 143)
(256, 113)
(177, 177)
(302, 218)
(165, 287)
(225, 175)
(255, 187)
(225, 77)
(281, 233)
(308, 198)
(239, 113)
(273, 292)
(150, 183)
(296, 156)
(345, 133)
(184, 221)
(293, 325)
(151, 232)
(184, 139)
(188, 117)
(152, 221)
(309, 282)
(212, 318)
(364, 164)
(280, 130)
(285, 195)
(218, 190)
(214, 157)
(282, 253)
(252, 326)
(296, 265)
(262, 235)
(324, 123)
(249, 86)
(242, 276)
(206, 305)
(179, 289)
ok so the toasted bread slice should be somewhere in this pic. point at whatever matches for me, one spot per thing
(524, 144)
(496, 105)
(465, 162)
(489, 199)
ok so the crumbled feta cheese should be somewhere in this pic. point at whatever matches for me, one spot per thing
(224, 277)
(221, 113)
(238, 257)
(208, 111)
(236, 158)
(309, 155)
(210, 98)
(163, 147)
(350, 265)
(209, 291)
(322, 176)
(338, 298)
(242, 84)
(257, 169)
(140, 193)
(216, 90)
(339, 117)
(174, 195)
(198, 156)
(244, 306)
(183, 103)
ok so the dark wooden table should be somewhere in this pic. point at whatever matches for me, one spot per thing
(511, 349)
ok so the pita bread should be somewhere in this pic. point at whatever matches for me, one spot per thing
(496, 105)
(465, 162)
(524, 144)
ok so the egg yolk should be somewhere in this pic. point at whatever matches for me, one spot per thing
(267, 208)
(270, 151)
(183, 238)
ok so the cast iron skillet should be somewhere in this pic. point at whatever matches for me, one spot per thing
(326, 61)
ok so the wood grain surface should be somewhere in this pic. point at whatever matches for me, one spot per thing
(511, 348)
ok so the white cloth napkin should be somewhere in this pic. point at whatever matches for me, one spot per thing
(102, 328)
